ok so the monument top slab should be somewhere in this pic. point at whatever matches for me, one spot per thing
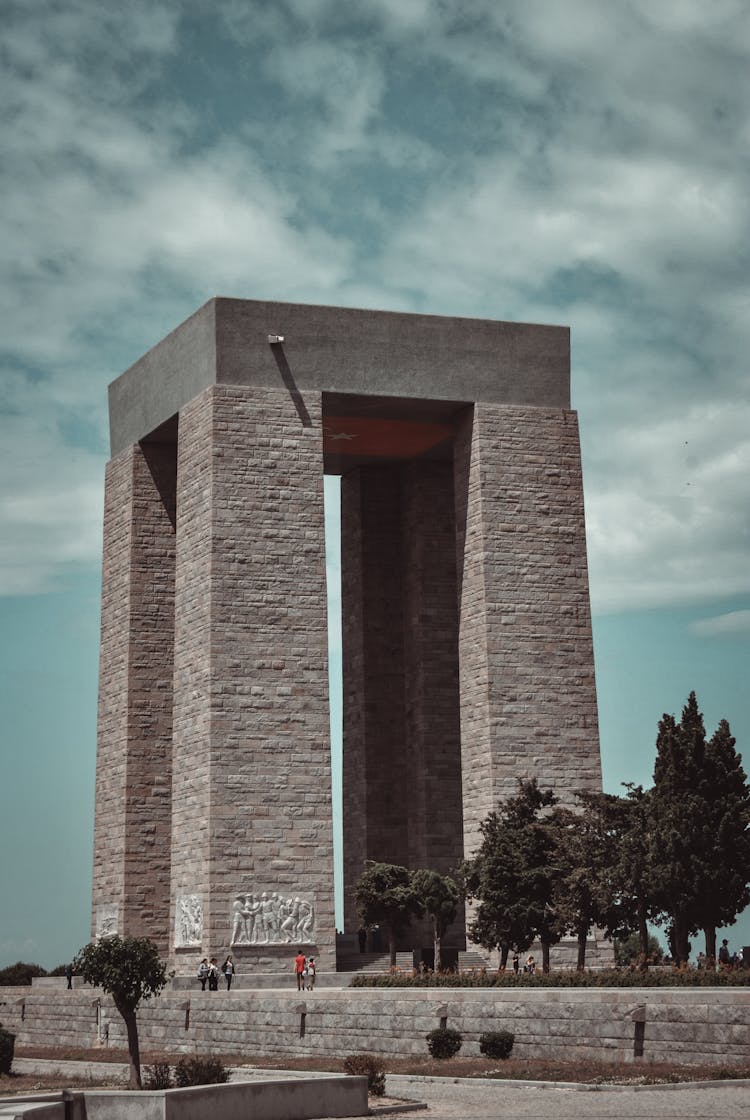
(340, 350)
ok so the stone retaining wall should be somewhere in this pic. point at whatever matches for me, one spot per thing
(687, 1025)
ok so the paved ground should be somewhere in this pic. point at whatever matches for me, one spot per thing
(457, 1100)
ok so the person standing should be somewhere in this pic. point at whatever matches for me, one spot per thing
(203, 973)
(229, 970)
(213, 975)
(69, 974)
(300, 962)
(311, 974)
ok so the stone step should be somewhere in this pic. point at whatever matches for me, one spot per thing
(470, 958)
(373, 962)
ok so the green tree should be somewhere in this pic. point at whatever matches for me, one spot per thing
(385, 897)
(129, 970)
(628, 950)
(724, 888)
(635, 906)
(438, 898)
(20, 973)
(584, 888)
(511, 875)
(699, 819)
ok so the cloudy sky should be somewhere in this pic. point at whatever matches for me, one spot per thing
(583, 163)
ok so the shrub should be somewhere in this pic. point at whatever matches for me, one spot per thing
(7, 1045)
(158, 1076)
(200, 1071)
(20, 973)
(443, 1042)
(367, 1065)
(654, 978)
(496, 1044)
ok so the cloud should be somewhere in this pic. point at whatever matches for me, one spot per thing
(735, 624)
(521, 161)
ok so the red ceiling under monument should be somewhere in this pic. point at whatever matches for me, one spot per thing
(381, 438)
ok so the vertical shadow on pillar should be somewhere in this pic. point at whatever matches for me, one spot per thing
(287, 377)
(149, 764)
(461, 487)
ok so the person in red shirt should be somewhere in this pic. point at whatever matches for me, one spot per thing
(299, 967)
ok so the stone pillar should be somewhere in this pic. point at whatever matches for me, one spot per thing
(401, 757)
(252, 844)
(433, 732)
(375, 793)
(134, 767)
(528, 699)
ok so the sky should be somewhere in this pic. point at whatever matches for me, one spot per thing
(582, 163)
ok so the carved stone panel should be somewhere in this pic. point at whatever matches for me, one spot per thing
(188, 924)
(106, 920)
(269, 918)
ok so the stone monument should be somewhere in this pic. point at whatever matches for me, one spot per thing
(467, 647)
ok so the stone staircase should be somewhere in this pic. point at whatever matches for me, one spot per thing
(470, 958)
(372, 962)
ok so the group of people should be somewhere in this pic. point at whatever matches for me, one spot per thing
(726, 960)
(208, 973)
(304, 968)
(529, 964)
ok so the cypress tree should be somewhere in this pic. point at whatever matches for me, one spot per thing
(699, 813)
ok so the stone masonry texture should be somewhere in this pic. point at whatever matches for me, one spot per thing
(702, 1026)
(467, 648)
(528, 696)
(252, 799)
(133, 801)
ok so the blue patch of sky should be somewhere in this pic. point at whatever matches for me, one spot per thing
(48, 684)
(34, 374)
(79, 430)
(642, 672)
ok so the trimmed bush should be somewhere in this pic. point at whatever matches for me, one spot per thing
(654, 978)
(367, 1065)
(496, 1044)
(157, 1076)
(443, 1042)
(200, 1071)
(7, 1046)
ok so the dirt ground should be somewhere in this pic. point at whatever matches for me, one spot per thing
(590, 1072)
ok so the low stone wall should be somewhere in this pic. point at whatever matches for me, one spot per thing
(656, 1024)
(272, 1098)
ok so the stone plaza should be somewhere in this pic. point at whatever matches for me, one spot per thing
(467, 646)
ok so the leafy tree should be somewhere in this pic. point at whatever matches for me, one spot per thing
(724, 890)
(584, 889)
(20, 973)
(385, 897)
(438, 898)
(129, 970)
(635, 906)
(628, 949)
(699, 825)
(511, 875)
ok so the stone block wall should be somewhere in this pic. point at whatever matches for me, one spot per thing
(684, 1025)
(134, 764)
(252, 797)
(528, 696)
